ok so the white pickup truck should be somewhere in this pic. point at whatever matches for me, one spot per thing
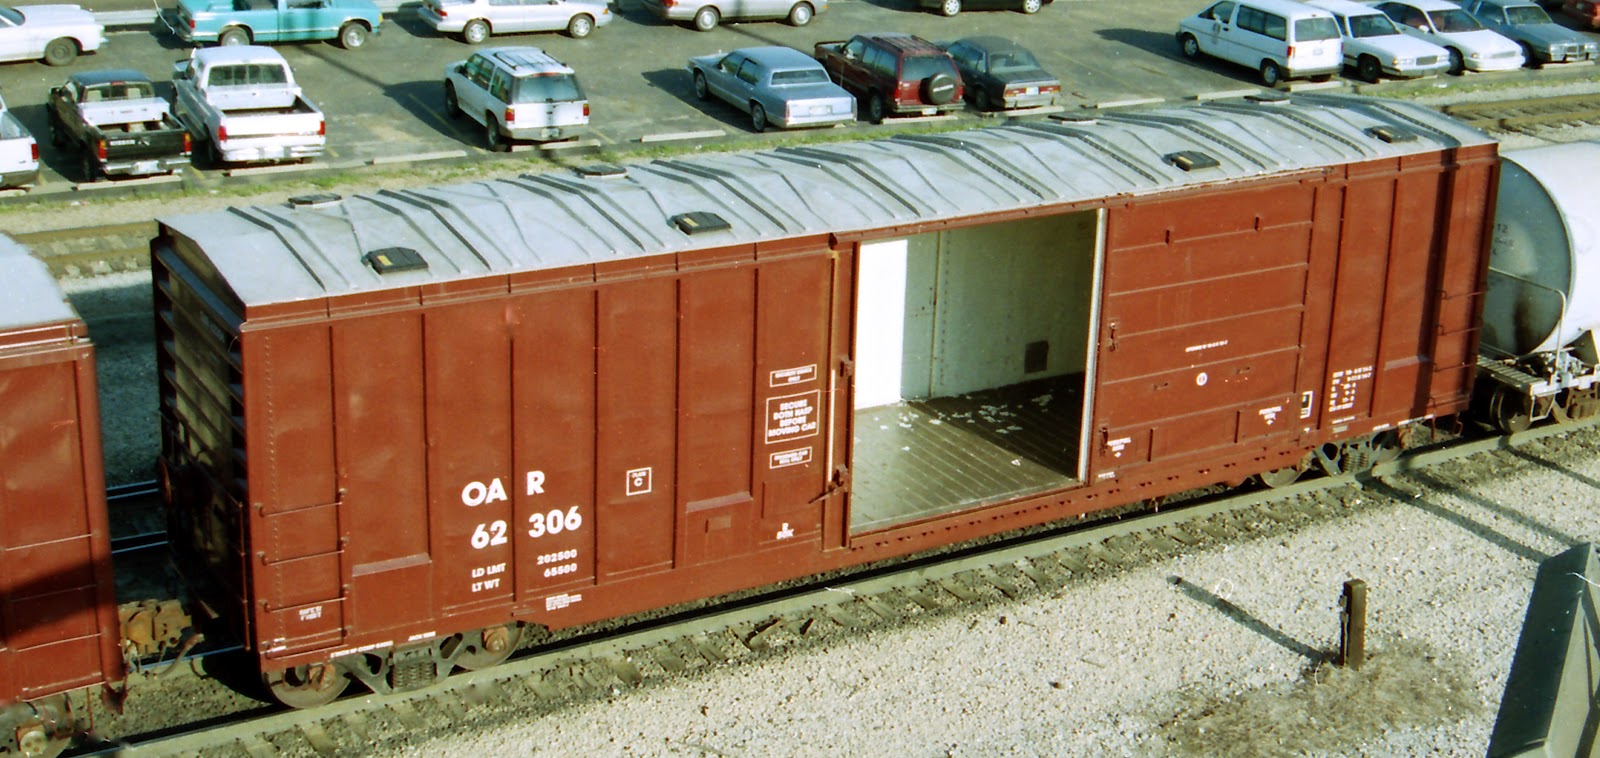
(19, 153)
(241, 102)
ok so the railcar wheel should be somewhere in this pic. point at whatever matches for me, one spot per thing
(36, 741)
(580, 26)
(307, 686)
(1189, 45)
(352, 36)
(60, 52)
(1282, 477)
(489, 647)
(1369, 69)
(801, 14)
(1510, 412)
(707, 19)
(476, 31)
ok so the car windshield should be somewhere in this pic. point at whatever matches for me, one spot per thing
(1012, 60)
(1527, 14)
(547, 88)
(919, 67)
(1453, 20)
(800, 76)
(1311, 29)
(1371, 25)
(11, 16)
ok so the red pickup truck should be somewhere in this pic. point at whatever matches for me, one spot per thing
(892, 73)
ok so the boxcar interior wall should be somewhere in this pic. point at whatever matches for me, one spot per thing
(971, 350)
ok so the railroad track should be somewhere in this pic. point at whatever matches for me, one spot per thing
(92, 250)
(1530, 113)
(597, 664)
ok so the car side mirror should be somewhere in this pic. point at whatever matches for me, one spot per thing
(180, 69)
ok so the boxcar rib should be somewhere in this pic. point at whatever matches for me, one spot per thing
(563, 397)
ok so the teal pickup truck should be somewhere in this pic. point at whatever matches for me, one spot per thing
(247, 22)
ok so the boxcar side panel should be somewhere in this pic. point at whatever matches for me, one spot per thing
(715, 407)
(57, 611)
(380, 431)
(636, 419)
(553, 365)
(468, 420)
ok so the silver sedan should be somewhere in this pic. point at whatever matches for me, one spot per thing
(777, 86)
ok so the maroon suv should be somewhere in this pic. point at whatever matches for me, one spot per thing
(893, 73)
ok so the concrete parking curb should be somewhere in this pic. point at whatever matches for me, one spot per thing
(1226, 94)
(125, 183)
(674, 136)
(1109, 104)
(417, 157)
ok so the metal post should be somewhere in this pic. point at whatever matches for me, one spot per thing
(1353, 624)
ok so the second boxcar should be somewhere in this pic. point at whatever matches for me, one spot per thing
(58, 618)
(403, 426)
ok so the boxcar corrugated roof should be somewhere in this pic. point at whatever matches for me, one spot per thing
(32, 295)
(544, 221)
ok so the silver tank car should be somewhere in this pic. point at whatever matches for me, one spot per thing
(1542, 308)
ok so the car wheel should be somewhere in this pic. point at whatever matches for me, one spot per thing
(233, 35)
(700, 89)
(476, 31)
(497, 141)
(1189, 45)
(801, 14)
(875, 108)
(1271, 74)
(1031, 7)
(1528, 58)
(939, 89)
(580, 26)
(706, 19)
(352, 36)
(60, 52)
(1369, 69)
(758, 117)
(949, 7)
(1458, 65)
(452, 106)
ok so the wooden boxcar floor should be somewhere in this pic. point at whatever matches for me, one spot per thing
(922, 458)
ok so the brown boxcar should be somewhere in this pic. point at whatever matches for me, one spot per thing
(411, 416)
(58, 620)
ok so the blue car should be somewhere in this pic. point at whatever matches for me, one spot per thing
(252, 22)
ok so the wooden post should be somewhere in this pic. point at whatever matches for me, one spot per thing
(1353, 624)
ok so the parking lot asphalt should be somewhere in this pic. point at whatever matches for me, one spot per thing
(383, 102)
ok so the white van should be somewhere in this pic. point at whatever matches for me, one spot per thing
(1280, 38)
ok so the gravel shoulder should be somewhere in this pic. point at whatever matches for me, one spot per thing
(1222, 650)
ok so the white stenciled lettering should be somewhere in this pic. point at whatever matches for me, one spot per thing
(554, 522)
(492, 533)
(478, 493)
(535, 483)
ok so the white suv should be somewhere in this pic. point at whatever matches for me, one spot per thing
(517, 93)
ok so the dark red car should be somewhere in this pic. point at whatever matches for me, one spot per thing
(891, 73)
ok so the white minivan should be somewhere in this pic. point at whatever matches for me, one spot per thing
(1280, 38)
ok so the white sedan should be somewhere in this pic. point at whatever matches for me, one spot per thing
(1471, 46)
(54, 33)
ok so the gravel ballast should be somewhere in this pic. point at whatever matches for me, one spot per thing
(1222, 650)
